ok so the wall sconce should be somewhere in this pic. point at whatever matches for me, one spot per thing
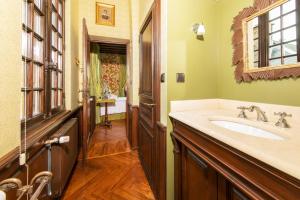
(199, 30)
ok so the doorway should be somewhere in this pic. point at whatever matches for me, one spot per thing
(107, 85)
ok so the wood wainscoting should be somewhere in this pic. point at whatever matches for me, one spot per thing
(158, 183)
(66, 123)
(132, 125)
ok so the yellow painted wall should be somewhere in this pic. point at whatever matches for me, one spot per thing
(188, 55)
(10, 73)
(121, 30)
(71, 53)
(207, 64)
(134, 53)
(285, 91)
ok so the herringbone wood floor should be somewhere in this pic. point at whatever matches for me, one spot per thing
(117, 176)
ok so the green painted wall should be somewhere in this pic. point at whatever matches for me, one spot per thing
(207, 64)
(285, 91)
(188, 55)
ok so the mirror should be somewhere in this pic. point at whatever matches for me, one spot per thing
(267, 35)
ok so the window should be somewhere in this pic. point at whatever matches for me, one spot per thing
(42, 56)
(274, 36)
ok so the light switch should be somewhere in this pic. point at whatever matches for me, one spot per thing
(180, 77)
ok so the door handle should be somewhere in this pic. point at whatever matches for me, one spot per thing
(148, 104)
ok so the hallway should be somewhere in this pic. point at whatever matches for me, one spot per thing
(112, 171)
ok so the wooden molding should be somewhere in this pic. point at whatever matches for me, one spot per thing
(239, 51)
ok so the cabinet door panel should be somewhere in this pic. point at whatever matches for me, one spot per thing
(199, 179)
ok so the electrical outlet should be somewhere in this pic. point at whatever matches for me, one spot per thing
(22, 159)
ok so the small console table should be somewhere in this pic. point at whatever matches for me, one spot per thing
(100, 102)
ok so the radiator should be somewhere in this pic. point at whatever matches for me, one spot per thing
(64, 157)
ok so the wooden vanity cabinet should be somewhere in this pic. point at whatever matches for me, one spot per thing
(199, 179)
(207, 169)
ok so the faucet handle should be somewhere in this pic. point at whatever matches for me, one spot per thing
(283, 114)
(243, 108)
(242, 114)
(282, 122)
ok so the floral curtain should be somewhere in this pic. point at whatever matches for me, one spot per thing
(114, 73)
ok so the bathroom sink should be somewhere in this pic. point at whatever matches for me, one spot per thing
(246, 129)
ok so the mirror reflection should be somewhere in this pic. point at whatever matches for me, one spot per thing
(272, 39)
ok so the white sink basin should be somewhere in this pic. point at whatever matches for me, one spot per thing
(246, 129)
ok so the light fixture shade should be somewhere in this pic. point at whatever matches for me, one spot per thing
(199, 29)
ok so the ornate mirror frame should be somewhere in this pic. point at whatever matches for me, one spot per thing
(239, 50)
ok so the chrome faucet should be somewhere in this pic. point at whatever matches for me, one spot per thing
(261, 115)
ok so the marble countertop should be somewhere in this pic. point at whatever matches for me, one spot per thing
(281, 154)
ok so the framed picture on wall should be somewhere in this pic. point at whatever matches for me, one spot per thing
(105, 14)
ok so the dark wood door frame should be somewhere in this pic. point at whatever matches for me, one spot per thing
(156, 169)
(85, 89)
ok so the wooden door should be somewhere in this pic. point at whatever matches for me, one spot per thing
(149, 100)
(199, 180)
(85, 89)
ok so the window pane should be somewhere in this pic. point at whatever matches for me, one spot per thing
(60, 62)
(275, 62)
(274, 13)
(26, 16)
(26, 44)
(39, 4)
(288, 6)
(36, 103)
(54, 39)
(53, 79)
(290, 48)
(54, 3)
(290, 60)
(274, 25)
(60, 8)
(289, 34)
(38, 24)
(59, 98)
(54, 19)
(38, 50)
(289, 20)
(60, 80)
(54, 56)
(275, 39)
(60, 26)
(24, 74)
(275, 51)
(53, 99)
(60, 44)
(36, 76)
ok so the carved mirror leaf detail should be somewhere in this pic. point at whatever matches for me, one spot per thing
(238, 43)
